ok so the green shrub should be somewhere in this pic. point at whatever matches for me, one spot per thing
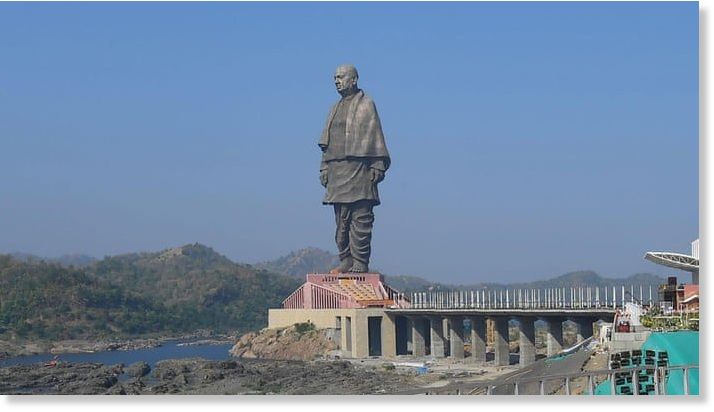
(388, 366)
(304, 327)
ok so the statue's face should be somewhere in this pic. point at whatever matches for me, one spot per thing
(345, 80)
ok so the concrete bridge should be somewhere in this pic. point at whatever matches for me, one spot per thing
(389, 324)
(434, 324)
(440, 332)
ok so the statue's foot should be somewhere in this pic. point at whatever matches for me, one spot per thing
(359, 267)
(344, 267)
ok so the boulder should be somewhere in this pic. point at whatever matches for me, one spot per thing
(291, 343)
(138, 369)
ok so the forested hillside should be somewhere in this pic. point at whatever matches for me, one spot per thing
(48, 301)
(174, 291)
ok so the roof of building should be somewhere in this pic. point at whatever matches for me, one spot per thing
(690, 298)
(358, 291)
(344, 290)
(674, 260)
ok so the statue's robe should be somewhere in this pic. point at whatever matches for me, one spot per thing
(352, 143)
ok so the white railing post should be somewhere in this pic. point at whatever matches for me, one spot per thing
(632, 293)
(656, 381)
(622, 298)
(650, 295)
(613, 390)
(547, 298)
(567, 385)
(685, 382)
(558, 297)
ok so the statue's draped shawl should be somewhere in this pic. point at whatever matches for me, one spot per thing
(364, 137)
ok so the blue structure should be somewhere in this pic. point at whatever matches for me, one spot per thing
(679, 348)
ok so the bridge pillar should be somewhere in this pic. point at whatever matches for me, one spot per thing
(389, 338)
(456, 337)
(478, 339)
(555, 335)
(585, 328)
(418, 336)
(526, 341)
(447, 336)
(437, 337)
(500, 344)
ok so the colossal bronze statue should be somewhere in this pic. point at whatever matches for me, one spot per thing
(354, 160)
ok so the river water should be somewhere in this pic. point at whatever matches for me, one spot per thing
(169, 350)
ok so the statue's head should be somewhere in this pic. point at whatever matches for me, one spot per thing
(346, 79)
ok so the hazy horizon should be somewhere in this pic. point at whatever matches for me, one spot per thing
(680, 275)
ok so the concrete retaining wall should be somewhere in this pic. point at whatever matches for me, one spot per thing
(327, 318)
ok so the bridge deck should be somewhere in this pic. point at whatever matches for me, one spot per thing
(540, 312)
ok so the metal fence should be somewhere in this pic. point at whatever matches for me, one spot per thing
(547, 298)
(565, 382)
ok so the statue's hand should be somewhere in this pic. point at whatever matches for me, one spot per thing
(377, 175)
(323, 178)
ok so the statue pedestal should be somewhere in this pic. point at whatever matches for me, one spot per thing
(348, 274)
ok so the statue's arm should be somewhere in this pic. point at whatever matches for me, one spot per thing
(378, 164)
(323, 164)
(377, 169)
(323, 142)
(323, 171)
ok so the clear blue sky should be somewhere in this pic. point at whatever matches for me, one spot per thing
(527, 140)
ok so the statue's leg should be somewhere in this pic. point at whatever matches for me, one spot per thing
(342, 237)
(361, 235)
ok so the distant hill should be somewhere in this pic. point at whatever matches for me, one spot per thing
(408, 284)
(177, 290)
(314, 260)
(77, 260)
(48, 301)
(590, 278)
(301, 262)
(200, 284)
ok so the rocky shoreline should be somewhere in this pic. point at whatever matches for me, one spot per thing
(199, 376)
(11, 349)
